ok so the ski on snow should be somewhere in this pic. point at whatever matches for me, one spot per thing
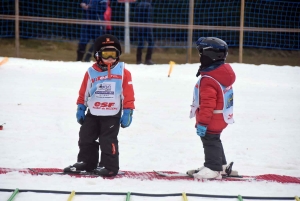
(224, 177)
(75, 173)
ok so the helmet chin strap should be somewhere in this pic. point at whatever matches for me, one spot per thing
(198, 72)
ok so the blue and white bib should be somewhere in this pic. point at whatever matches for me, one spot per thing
(227, 99)
(106, 94)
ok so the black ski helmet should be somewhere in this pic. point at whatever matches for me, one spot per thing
(106, 40)
(212, 47)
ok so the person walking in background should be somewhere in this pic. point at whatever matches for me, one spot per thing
(212, 105)
(144, 14)
(107, 92)
(93, 10)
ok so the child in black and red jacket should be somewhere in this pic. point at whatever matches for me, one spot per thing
(212, 104)
(107, 92)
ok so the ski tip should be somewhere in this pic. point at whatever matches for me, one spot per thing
(121, 173)
(159, 173)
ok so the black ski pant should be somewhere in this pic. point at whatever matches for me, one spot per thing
(81, 52)
(144, 34)
(104, 129)
(213, 151)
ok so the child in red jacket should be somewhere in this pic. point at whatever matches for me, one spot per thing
(107, 92)
(212, 104)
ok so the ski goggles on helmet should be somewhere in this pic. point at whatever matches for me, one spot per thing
(107, 53)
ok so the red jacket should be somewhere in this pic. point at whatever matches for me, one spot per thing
(107, 16)
(211, 97)
(128, 93)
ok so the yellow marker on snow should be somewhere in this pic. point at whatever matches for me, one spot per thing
(172, 63)
(184, 196)
(4, 61)
(71, 196)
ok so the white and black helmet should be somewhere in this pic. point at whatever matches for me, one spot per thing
(212, 47)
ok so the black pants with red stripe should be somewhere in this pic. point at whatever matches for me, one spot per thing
(213, 151)
(103, 131)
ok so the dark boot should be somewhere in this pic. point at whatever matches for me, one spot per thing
(148, 60)
(105, 172)
(77, 167)
(139, 55)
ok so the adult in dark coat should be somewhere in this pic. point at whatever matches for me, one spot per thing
(144, 14)
(93, 10)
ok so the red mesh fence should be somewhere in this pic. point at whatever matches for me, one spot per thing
(154, 176)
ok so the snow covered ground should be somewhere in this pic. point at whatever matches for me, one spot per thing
(38, 105)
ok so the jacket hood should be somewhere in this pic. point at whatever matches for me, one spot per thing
(222, 72)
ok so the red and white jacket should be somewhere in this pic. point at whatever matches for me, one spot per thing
(211, 97)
